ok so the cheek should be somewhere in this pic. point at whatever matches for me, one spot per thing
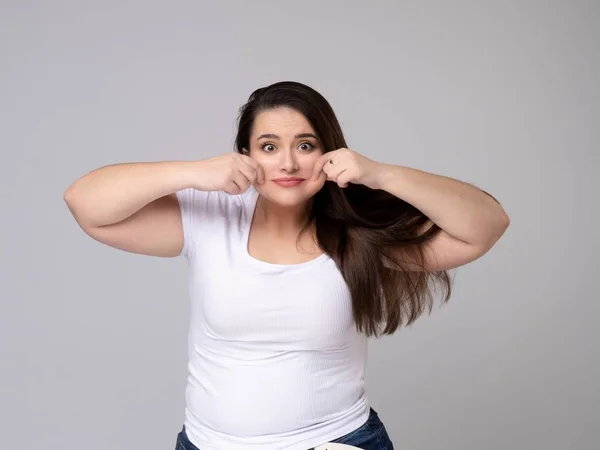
(268, 164)
(315, 186)
(307, 163)
(314, 157)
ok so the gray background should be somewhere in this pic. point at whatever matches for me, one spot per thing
(502, 94)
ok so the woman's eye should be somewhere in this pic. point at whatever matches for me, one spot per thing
(306, 146)
(268, 147)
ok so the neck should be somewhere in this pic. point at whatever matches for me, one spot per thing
(281, 219)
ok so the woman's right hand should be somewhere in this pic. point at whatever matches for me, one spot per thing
(232, 173)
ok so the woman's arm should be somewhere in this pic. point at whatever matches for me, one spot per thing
(463, 211)
(471, 220)
(132, 206)
(110, 194)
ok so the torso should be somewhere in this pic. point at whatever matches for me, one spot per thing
(271, 330)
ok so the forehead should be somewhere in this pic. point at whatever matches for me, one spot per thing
(281, 121)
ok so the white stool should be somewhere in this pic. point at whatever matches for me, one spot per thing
(335, 446)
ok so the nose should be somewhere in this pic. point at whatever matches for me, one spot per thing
(288, 161)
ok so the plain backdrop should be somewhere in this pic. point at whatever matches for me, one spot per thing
(502, 94)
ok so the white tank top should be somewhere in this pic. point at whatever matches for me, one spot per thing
(275, 361)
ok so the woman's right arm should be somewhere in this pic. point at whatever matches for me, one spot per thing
(132, 206)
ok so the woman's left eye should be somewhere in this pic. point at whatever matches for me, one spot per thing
(307, 146)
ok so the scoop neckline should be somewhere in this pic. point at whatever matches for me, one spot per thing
(250, 206)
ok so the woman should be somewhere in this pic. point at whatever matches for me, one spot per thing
(299, 249)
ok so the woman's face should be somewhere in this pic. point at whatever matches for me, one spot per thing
(286, 146)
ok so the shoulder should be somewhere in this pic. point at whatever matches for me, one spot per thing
(211, 215)
(214, 203)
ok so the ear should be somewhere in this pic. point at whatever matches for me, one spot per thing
(245, 151)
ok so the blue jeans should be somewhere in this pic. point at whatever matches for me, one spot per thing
(372, 435)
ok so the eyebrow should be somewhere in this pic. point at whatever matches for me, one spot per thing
(298, 136)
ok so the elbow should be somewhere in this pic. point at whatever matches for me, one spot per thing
(71, 200)
(499, 230)
(504, 222)
(502, 218)
(70, 192)
(68, 195)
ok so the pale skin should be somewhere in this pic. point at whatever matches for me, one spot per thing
(285, 145)
(133, 207)
(471, 221)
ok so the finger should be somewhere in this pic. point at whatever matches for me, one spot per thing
(334, 170)
(260, 171)
(232, 188)
(242, 181)
(249, 172)
(324, 159)
(261, 174)
(250, 161)
(343, 179)
(320, 164)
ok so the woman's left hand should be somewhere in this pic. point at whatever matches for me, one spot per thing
(344, 166)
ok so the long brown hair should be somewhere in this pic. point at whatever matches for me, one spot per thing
(357, 226)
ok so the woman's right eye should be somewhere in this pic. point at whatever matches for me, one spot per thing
(268, 147)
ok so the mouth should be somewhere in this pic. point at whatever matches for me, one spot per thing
(288, 181)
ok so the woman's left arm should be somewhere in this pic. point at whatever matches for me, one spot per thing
(471, 220)
(463, 211)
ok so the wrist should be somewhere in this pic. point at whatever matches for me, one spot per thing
(193, 173)
(384, 173)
